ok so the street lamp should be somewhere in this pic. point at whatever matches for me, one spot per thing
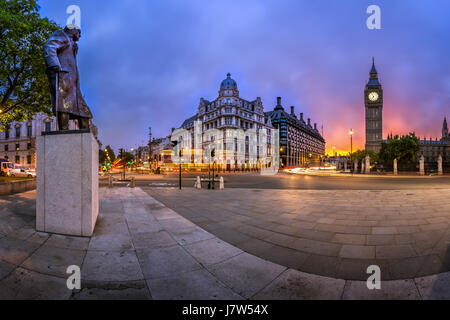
(351, 148)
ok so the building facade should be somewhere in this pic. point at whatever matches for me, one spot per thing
(301, 144)
(18, 144)
(161, 152)
(373, 98)
(232, 126)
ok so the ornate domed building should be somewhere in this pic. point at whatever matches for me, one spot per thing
(247, 138)
(229, 86)
(231, 115)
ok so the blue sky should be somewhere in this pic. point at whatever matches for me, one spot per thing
(147, 63)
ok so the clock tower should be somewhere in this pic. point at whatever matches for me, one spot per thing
(374, 111)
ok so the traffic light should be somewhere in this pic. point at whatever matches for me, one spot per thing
(213, 153)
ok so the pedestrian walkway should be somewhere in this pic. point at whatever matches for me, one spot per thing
(143, 250)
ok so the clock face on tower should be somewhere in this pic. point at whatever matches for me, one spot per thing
(373, 96)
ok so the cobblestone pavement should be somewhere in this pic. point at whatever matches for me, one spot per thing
(333, 233)
(143, 250)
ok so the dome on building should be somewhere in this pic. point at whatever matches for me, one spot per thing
(228, 83)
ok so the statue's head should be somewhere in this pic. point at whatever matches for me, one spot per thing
(74, 31)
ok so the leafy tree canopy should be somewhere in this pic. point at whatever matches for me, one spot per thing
(110, 152)
(404, 148)
(361, 155)
(23, 82)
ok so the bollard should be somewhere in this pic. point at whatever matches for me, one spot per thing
(422, 165)
(222, 183)
(367, 166)
(440, 171)
(110, 182)
(199, 183)
(132, 183)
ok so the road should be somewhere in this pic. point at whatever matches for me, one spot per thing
(303, 182)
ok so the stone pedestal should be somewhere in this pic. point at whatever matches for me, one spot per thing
(356, 166)
(362, 166)
(67, 183)
(422, 165)
(395, 167)
(367, 166)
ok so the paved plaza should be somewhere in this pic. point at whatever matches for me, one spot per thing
(337, 233)
(142, 249)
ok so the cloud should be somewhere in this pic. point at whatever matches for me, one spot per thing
(148, 63)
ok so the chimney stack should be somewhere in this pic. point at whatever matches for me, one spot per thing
(279, 101)
(315, 126)
(293, 110)
(301, 116)
(173, 129)
(309, 122)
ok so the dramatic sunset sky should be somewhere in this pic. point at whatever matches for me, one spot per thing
(147, 63)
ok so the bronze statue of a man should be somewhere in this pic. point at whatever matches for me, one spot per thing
(60, 54)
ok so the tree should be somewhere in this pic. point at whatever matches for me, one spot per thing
(404, 149)
(24, 87)
(101, 156)
(109, 154)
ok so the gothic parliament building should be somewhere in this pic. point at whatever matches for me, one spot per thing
(373, 97)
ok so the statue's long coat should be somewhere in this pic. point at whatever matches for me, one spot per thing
(61, 50)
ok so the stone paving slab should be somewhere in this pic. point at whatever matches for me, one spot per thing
(53, 261)
(163, 262)
(246, 274)
(436, 287)
(194, 285)
(16, 251)
(98, 290)
(24, 284)
(390, 290)
(111, 266)
(202, 250)
(296, 285)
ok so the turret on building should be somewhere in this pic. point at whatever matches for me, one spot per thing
(445, 129)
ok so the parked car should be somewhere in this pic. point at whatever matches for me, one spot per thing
(21, 173)
(31, 174)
